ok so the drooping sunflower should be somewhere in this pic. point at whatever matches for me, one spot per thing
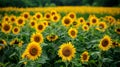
(72, 15)
(85, 27)
(2, 43)
(6, 18)
(12, 19)
(117, 30)
(16, 30)
(52, 37)
(72, 32)
(66, 21)
(115, 44)
(33, 50)
(40, 27)
(47, 16)
(55, 18)
(94, 20)
(84, 57)
(16, 41)
(81, 20)
(46, 23)
(6, 27)
(37, 37)
(67, 51)
(38, 16)
(32, 23)
(25, 15)
(105, 43)
(101, 26)
(20, 21)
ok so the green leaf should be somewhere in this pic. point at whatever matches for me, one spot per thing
(107, 60)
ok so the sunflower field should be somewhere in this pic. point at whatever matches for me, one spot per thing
(68, 36)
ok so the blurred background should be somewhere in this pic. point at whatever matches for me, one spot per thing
(52, 3)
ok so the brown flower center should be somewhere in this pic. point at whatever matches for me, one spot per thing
(16, 30)
(101, 26)
(52, 37)
(40, 27)
(6, 27)
(94, 20)
(84, 56)
(33, 51)
(55, 18)
(72, 16)
(38, 16)
(6, 19)
(12, 19)
(118, 30)
(32, 23)
(74, 23)
(72, 33)
(47, 16)
(20, 21)
(81, 20)
(85, 28)
(36, 38)
(105, 43)
(88, 24)
(1, 42)
(67, 21)
(25, 16)
(16, 42)
(66, 52)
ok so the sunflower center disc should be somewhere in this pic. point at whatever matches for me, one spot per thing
(104, 43)
(84, 56)
(118, 30)
(66, 52)
(33, 51)
(20, 21)
(40, 27)
(6, 27)
(37, 39)
(73, 33)
(67, 21)
(94, 20)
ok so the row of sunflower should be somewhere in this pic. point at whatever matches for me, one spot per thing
(59, 40)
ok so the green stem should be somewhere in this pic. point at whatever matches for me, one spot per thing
(66, 64)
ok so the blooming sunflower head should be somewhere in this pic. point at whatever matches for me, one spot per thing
(72, 32)
(117, 30)
(105, 43)
(53, 12)
(25, 15)
(6, 18)
(115, 44)
(20, 21)
(52, 37)
(12, 18)
(76, 24)
(72, 15)
(38, 16)
(37, 37)
(16, 30)
(101, 26)
(40, 27)
(47, 16)
(85, 27)
(6, 27)
(32, 23)
(84, 57)
(94, 20)
(33, 50)
(67, 21)
(55, 18)
(16, 41)
(81, 20)
(67, 51)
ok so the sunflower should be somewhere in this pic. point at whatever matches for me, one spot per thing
(20, 21)
(12, 18)
(38, 16)
(32, 23)
(47, 16)
(81, 20)
(40, 27)
(37, 37)
(117, 30)
(33, 50)
(46, 23)
(53, 12)
(6, 18)
(72, 15)
(67, 51)
(84, 57)
(105, 43)
(111, 19)
(72, 32)
(67, 21)
(76, 24)
(101, 26)
(52, 37)
(2, 43)
(55, 18)
(16, 41)
(16, 30)
(85, 27)
(115, 44)
(94, 20)
(88, 23)
(6, 27)
(25, 15)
